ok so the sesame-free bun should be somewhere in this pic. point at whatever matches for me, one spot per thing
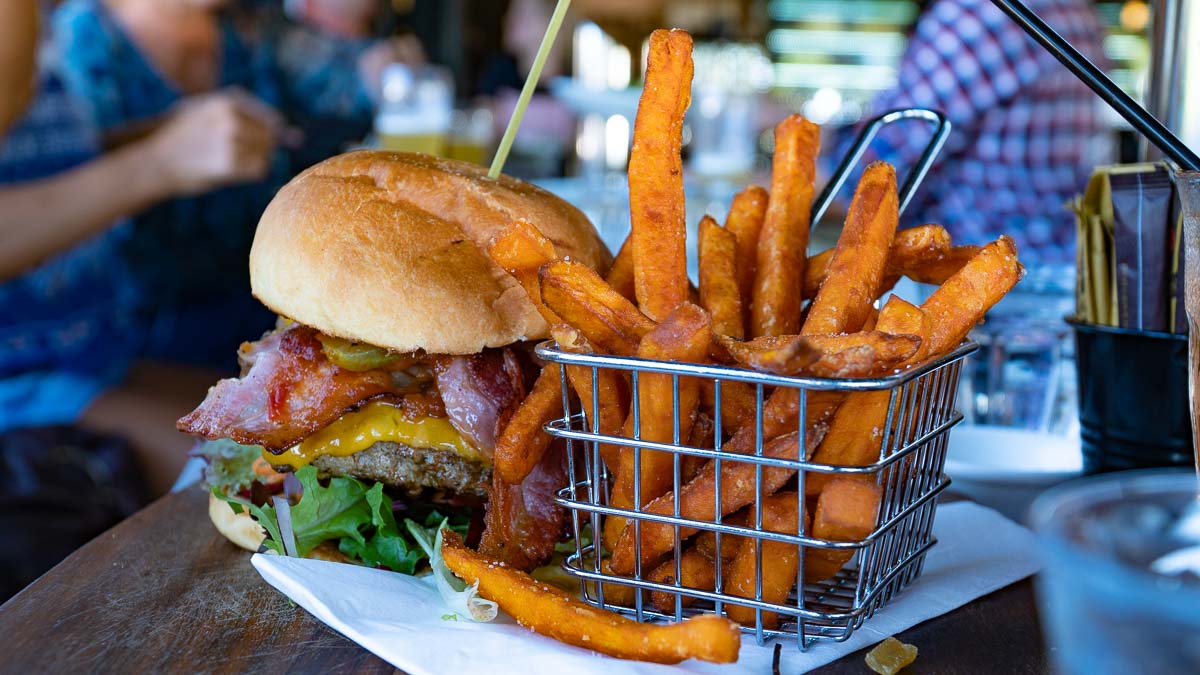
(389, 249)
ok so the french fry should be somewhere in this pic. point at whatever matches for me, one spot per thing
(701, 437)
(576, 293)
(847, 355)
(684, 335)
(620, 275)
(550, 611)
(737, 403)
(857, 429)
(847, 511)
(781, 514)
(861, 354)
(706, 541)
(611, 399)
(783, 242)
(523, 442)
(656, 199)
(857, 267)
(960, 303)
(719, 293)
(872, 320)
(745, 221)
(937, 271)
(912, 250)
(696, 570)
(521, 249)
(698, 498)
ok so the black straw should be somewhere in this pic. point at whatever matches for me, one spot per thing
(1089, 74)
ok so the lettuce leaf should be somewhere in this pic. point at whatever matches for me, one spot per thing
(228, 465)
(462, 599)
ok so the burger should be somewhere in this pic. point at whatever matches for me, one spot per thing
(400, 352)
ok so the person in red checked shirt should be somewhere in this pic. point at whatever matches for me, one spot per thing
(1026, 133)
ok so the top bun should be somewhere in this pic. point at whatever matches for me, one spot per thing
(389, 249)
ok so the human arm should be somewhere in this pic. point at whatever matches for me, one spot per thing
(216, 142)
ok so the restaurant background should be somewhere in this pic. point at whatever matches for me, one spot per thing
(157, 130)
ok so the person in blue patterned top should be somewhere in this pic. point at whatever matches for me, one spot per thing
(68, 334)
(135, 61)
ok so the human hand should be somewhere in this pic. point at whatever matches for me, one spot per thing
(217, 139)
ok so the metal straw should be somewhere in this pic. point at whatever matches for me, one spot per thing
(1093, 77)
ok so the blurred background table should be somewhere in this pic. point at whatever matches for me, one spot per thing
(164, 592)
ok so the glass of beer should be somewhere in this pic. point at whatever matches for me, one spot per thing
(1187, 185)
(415, 114)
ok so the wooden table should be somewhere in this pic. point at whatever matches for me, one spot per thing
(163, 592)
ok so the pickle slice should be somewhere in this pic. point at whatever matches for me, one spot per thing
(357, 356)
(891, 656)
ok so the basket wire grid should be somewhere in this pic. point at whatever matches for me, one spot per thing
(909, 472)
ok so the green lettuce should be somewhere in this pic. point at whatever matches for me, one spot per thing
(457, 595)
(229, 465)
(345, 511)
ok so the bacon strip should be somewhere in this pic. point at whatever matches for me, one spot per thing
(288, 390)
(523, 521)
(480, 393)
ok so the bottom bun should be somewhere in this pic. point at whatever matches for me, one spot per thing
(242, 530)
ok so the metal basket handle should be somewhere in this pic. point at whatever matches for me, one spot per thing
(941, 131)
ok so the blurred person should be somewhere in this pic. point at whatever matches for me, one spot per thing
(1024, 127)
(87, 435)
(135, 62)
(332, 65)
(67, 331)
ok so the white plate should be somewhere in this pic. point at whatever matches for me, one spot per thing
(1006, 468)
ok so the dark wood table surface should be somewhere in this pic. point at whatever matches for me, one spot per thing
(164, 592)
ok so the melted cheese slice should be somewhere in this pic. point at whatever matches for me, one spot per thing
(375, 422)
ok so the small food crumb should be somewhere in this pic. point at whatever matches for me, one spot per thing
(891, 656)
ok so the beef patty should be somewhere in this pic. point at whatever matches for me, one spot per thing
(410, 469)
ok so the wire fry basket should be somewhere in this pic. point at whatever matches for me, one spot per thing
(908, 476)
(909, 473)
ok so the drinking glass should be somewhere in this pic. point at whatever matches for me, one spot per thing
(417, 107)
(1120, 587)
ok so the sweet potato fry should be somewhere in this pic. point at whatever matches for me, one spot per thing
(611, 399)
(783, 242)
(861, 354)
(698, 498)
(847, 355)
(745, 221)
(576, 293)
(701, 437)
(781, 513)
(938, 270)
(552, 612)
(706, 541)
(656, 200)
(523, 442)
(872, 320)
(521, 249)
(737, 403)
(847, 510)
(696, 570)
(857, 267)
(857, 429)
(912, 249)
(960, 303)
(620, 275)
(719, 292)
(683, 335)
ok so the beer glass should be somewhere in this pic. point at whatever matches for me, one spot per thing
(415, 114)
